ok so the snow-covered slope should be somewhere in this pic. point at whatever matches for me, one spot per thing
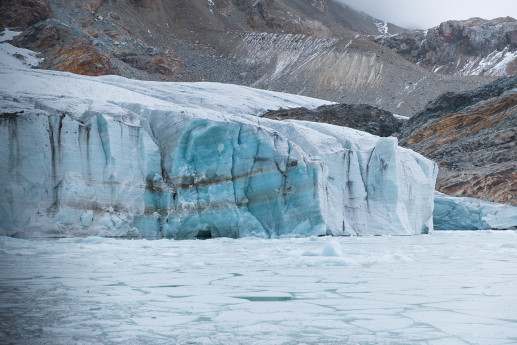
(113, 156)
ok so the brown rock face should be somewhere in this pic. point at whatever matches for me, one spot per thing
(20, 14)
(475, 148)
(65, 49)
(80, 57)
(158, 64)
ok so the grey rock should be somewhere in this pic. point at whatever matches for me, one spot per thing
(451, 102)
(358, 116)
(468, 47)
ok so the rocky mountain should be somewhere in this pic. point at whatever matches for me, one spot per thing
(359, 116)
(467, 47)
(473, 138)
(318, 48)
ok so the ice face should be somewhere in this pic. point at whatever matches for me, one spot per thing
(453, 213)
(111, 156)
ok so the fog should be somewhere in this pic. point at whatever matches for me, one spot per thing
(426, 14)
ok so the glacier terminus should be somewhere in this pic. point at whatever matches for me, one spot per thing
(115, 157)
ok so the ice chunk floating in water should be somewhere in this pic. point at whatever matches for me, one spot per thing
(447, 288)
(112, 156)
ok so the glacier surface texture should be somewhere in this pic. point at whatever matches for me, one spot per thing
(114, 157)
(453, 213)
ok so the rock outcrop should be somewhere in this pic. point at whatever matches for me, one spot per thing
(20, 14)
(323, 18)
(360, 116)
(453, 102)
(65, 49)
(473, 138)
(467, 47)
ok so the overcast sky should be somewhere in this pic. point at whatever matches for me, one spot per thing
(424, 14)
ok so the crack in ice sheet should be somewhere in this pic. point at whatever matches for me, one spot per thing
(444, 288)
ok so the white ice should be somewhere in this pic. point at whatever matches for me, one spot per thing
(13, 56)
(440, 289)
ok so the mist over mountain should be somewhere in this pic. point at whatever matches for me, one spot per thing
(427, 14)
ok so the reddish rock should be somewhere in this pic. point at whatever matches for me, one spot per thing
(157, 65)
(81, 57)
(65, 49)
(475, 147)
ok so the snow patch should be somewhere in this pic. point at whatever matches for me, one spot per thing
(401, 117)
(14, 57)
(382, 27)
(494, 64)
(8, 35)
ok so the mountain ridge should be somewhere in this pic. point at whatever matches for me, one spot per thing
(198, 41)
(461, 47)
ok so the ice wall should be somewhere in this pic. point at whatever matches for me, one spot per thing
(114, 157)
(63, 176)
(453, 213)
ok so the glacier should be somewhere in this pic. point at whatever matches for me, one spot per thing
(460, 213)
(111, 156)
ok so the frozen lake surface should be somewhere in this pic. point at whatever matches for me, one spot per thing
(444, 288)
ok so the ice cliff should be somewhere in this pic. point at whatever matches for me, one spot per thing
(111, 156)
(453, 213)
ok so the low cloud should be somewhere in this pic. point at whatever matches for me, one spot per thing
(426, 14)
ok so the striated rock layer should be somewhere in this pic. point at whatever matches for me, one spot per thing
(116, 157)
(473, 138)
